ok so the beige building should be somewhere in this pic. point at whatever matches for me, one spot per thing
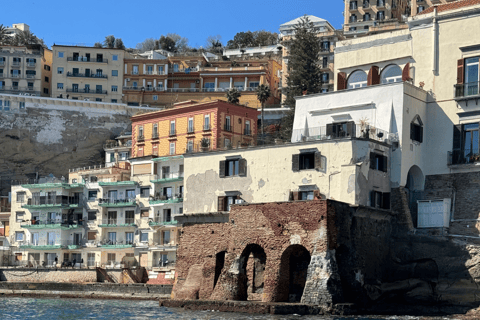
(418, 6)
(87, 73)
(328, 37)
(25, 70)
(337, 169)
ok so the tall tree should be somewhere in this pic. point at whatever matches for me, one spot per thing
(233, 95)
(146, 45)
(253, 39)
(263, 93)
(3, 34)
(109, 42)
(25, 37)
(167, 43)
(304, 75)
(98, 45)
(181, 43)
(119, 44)
(214, 44)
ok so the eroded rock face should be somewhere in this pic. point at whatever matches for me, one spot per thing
(51, 141)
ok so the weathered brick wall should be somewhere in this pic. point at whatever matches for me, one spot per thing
(273, 227)
(49, 275)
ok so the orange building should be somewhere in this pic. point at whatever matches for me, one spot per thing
(182, 129)
(162, 81)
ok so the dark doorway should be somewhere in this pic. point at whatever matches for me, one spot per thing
(219, 264)
(251, 277)
(293, 274)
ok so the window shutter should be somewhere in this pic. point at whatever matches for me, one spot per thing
(318, 160)
(351, 129)
(330, 129)
(386, 201)
(412, 131)
(372, 160)
(420, 136)
(406, 72)
(317, 195)
(373, 76)
(242, 170)
(222, 169)
(385, 164)
(460, 71)
(290, 196)
(296, 195)
(295, 162)
(221, 204)
(372, 199)
(341, 81)
(457, 137)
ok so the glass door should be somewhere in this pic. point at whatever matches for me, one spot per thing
(471, 76)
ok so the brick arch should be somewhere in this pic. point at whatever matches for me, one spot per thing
(251, 273)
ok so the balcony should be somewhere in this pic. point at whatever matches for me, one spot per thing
(116, 223)
(52, 224)
(190, 130)
(247, 132)
(41, 245)
(185, 70)
(116, 145)
(160, 222)
(84, 75)
(114, 244)
(178, 198)
(141, 138)
(16, 63)
(116, 183)
(155, 135)
(31, 76)
(31, 64)
(166, 178)
(15, 76)
(86, 59)
(466, 91)
(172, 132)
(463, 157)
(320, 133)
(88, 91)
(116, 203)
(63, 202)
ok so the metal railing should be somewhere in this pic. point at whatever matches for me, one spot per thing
(172, 132)
(227, 127)
(177, 196)
(466, 89)
(31, 76)
(168, 176)
(13, 75)
(155, 135)
(31, 64)
(16, 63)
(84, 75)
(116, 221)
(116, 201)
(90, 91)
(86, 59)
(455, 157)
(207, 127)
(116, 144)
(320, 133)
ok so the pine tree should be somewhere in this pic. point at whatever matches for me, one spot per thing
(304, 73)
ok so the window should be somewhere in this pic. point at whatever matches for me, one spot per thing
(111, 258)
(135, 84)
(248, 131)
(114, 73)
(206, 122)
(92, 215)
(190, 145)
(59, 86)
(381, 15)
(20, 216)
(175, 67)
(47, 79)
(172, 127)
(60, 70)
(228, 124)
(225, 202)
(233, 167)
(367, 17)
(129, 237)
(60, 54)
(115, 57)
(140, 151)
(114, 88)
(134, 69)
(6, 105)
(143, 236)
(353, 18)
(140, 133)
(112, 236)
(391, 74)
(130, 194)
(113, 100)
(253, 84)
(420, 9)
(90, 257)
(308, 159)
(380, 200)
(416, 129)
(21, 197)
(155, 98)
(190, 125)
(209, 86)
(325, 77)
(378, 162)
(341, 130)
(471, 76)
(144, 192)
(19, 236)
(45, 90)
(92, 195)
(172, 148)
(227, 143)
(144, 213)
(357, 79)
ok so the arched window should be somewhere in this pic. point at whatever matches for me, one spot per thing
(357, 79)
(391, 73)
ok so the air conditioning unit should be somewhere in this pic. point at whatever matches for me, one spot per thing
(86, 99)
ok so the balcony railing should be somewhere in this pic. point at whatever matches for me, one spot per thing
(115, 222)
(227, 127)
(207, 127)
(89, 91)
(190, 130)
(16, 63)
(13, 75)
(2, 63)
(466, 89)
(172, 132)
(86, 59)
(31, 76)
(169, 177)
(84, 75)
(320, 133)
(31, 64)
(166, 199)
(457, 157)
(57, 201)
(114, 202)
(155, 135)
(247, 132)
(141, 138)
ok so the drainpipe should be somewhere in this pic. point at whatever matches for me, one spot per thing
(434, 69)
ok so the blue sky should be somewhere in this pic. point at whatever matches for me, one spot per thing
(85, 22)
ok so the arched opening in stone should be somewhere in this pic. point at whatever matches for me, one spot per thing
(219, 264)
(414, 186)
(292, 274)
(252, 268)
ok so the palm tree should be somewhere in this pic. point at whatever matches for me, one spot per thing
(25, 37)
(109, 42)
(263, 93)
(233, 95)
(3, 34)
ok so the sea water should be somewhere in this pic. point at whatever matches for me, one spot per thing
(28, 308)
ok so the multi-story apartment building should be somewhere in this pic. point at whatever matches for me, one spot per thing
(328, 37)
(191, 127)
(5, 255)
(117, 152)
(87, 73)
(25, 70)
(363, 16)
(162, 81)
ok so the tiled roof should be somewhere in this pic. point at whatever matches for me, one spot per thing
(451, 6)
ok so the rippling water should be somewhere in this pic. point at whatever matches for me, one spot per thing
(25, 308)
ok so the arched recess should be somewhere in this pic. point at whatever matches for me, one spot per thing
(252, 268)
(292, 274)
(357, 79)
(219, 264)
(414, 187)
(391, 73)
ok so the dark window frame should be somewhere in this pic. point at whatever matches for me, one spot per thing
(378, 162)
